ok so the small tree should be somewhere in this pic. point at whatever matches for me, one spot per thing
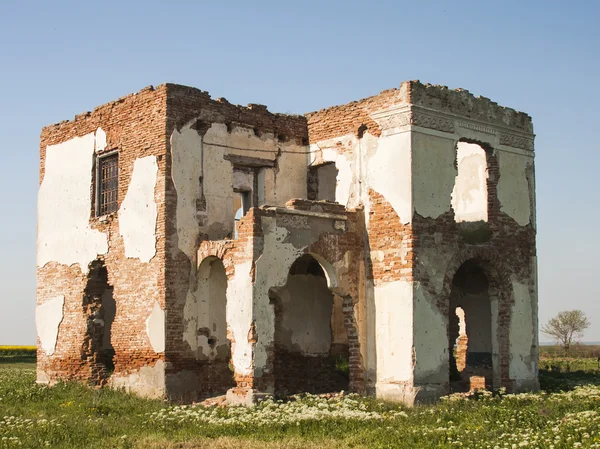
(566, 326)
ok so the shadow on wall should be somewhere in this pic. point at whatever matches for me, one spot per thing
(99, 309)
(309, 341)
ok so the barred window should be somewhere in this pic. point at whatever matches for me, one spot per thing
(107, 184)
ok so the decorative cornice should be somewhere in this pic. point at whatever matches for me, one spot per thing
(515, 141)
(407, 115)
(403, 116)
(432, 122)
(477, 127)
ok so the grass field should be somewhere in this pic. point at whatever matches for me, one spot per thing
(565, 415)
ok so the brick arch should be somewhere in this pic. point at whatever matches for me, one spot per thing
(500, 286)
(221, 250)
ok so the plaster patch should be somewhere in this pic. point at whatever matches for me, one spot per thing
(394, 331)
(64, 206)
(155, 328)
(186, 172)
(513, 187)
(389, 173)
(48, 317)
(148, 382)
(469, 196)
(521, 334)
(138, 212)
(100, 140)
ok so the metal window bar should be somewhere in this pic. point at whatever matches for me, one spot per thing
(109, 184)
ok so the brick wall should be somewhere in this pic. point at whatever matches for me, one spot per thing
(135, 126)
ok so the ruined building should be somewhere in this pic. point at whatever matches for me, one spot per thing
(190, 247)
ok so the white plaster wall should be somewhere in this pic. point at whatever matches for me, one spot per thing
(521, 334)
(155, 328)
(138, 212)
(64, 205)
(307, 304)
(148, 382)
(389, 173)
(394, 331)
(186, 171)
(513, 188)
(430, 339)
(469, 196)
(48, 316)
(433, 174)
(239, 317)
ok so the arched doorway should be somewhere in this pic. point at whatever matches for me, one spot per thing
(213, 344)
(311, 344)
(470, 339)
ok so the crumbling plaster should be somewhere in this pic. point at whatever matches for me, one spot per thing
(64, 204)
(272, 269)
(407, 158)
(433, 174)
(48, 316)
(389, 173)
(138, 212)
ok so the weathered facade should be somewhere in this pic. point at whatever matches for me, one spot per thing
(189, 247)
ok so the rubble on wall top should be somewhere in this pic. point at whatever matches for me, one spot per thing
(462, 102)
(436, 97)
(432, 96)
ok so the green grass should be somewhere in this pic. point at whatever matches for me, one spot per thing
(73, 416)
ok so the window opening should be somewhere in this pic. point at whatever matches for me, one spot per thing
(242, 202)
(107, 184)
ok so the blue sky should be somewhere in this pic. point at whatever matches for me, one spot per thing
(61, 58)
